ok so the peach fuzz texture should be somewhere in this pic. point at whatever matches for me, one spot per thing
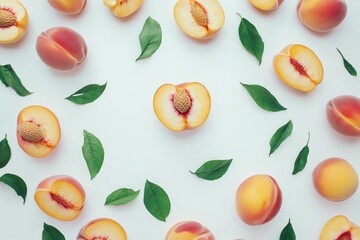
(68, 6)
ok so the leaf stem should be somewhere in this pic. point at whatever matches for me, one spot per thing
(307, 143)
(239, 15)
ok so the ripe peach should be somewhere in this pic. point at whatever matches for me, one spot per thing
(299, 67)
(61, 197)
(343, 114)
(199, 19)
(335, 179)
(189, 230)
(123, 8)
(13, 21)
(68, 6)
(258, 199)
(340, 228)
(102, 228)
(266, 5)
(61, 48)
(321, 15)
(38, 131)
(181, 107)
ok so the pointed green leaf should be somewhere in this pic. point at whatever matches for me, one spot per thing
(93, 153)
(156, 201)
(351, 70)
(301, 159)
(5, 152)
(87, 94)
(121, 196)
(213, 169)
(51, 233)
(150, 38)
(10, 79)
(280, 135)
(288, 232)
(16, 183)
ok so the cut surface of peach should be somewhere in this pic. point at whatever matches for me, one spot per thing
(189, 230)
(266, 5)
(299, 67)
(102, 228)
(340, 228)
(123, 8)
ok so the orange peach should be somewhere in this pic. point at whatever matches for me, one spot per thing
(335, 179)
(189, 230)
(266, 5)
(13, 21)
(299, 67)
(61, 197)
(258, 199)
(68, 6)
(200, 19)
(102, 228)
(61, 48)
(38, 131)
(123, 8)
(321, 15)
(343, 114)
(181, 107)
(340, 228)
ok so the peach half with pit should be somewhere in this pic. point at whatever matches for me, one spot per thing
(340, 228)
(183, 106)
(123, 8)
(13, 21)
(68, 6)
(61, 197)
(102, 228)
(258, 199)
(299, 67)
(200, 19)
(38, 131)
(189, 230)
(266, 5)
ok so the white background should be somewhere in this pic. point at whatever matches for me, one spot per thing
(138, 147)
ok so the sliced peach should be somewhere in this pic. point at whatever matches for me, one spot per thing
(199, 19)
(266, 5)
(38, 131)
(68, 6)
(61, 197)
(102, 228)
(340, 228)
(299, 67)
(123, 8)
(181, 107)
(189, 230)
(13, 21)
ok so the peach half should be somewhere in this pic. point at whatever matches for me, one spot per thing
(343, 114)
(340, 228)
(200, 19)
(61, 197)
(123, 8)
(181, 107)
(335, 179)
(321, 15)
(189, 230)
(102, 228)
(68, 6)
(266, 5)
(13, 21)
(61, 48)
(299, 67)
(38, 131)
(258, 199)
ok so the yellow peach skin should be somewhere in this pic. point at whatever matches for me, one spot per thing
(189, 230)
(102, 228)
(266, 5)
(68, 6)
(340, 228)
(123, 8)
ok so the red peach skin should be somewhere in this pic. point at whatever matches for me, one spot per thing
(189, 230)
(68, 6)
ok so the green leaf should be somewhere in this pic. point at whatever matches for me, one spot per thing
(9, 78)
(213, 169)
(121, 196)
(156, 201)
(288, 232)
(5, 152)
(301, 159)
(93, 153)
(347, 65)
(280, 135)
(87, 94)
(263, 98)
(150, 38)
(251, 39)
(16, 183)
(51, 233)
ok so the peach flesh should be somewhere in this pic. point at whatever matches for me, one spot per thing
(189, 230)
(340, 228)
(102, 229)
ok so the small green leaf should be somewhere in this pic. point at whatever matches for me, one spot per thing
(156, 201)
(288, 232)
(263, 98)
(51, 233)
(150, 38)
(16, 183)
(121, 196)
(251, 39)
(301, 159)
(87, 94)
(5, 152)
(351, 70)
(280, 135)
(10, 79)
(93, 153)
(213, 169)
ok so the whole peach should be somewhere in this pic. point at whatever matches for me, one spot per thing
(68, 6)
